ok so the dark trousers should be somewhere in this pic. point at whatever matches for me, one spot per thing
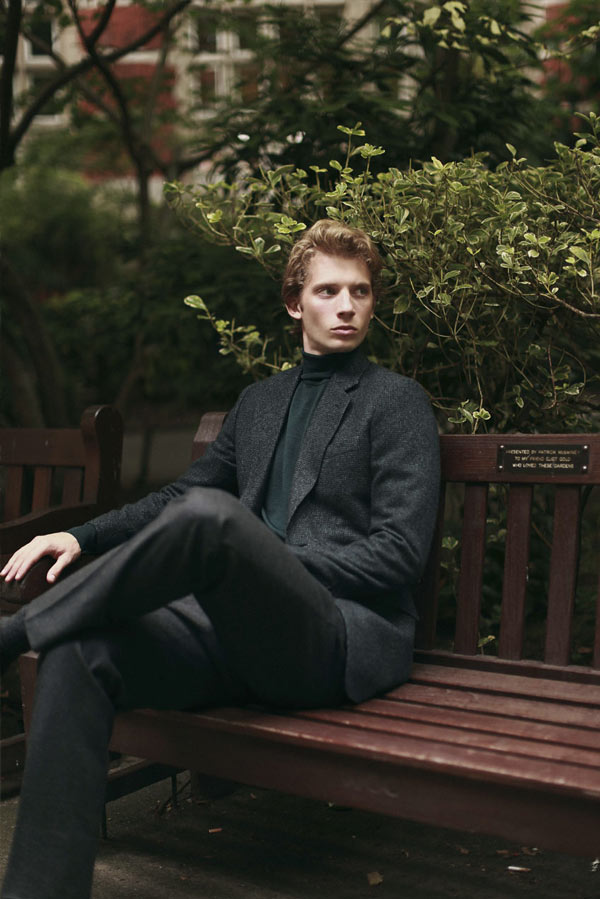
(204, 606)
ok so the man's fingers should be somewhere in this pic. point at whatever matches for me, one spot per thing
(61, 546)
(58, 566)
(20, 563)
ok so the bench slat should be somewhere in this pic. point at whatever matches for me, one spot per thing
(42, 482)
(445, 732)
(42, 446)
(429, 588)
(12, 497)
(471, 568)
(448, 795)
(71, 492)
(515, 811)
(553, 713)
(516, 562)
(473, 720)
(563, 575)
(469, 762)
(507, 684)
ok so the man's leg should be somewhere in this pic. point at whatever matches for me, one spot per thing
(281, 629)
(167, 659)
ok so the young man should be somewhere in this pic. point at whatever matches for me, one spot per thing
(278, 569)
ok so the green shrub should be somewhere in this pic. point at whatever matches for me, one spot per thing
(491, 276)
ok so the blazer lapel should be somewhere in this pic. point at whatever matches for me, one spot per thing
(324, 423)
(267, 424)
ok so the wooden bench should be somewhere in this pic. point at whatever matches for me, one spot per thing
(495, 743)
(54, 479)
(51, 479)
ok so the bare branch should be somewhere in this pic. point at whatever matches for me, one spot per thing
(13, 23)
(68, 74)
(102, 22)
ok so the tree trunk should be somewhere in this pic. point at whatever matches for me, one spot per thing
(48, 374)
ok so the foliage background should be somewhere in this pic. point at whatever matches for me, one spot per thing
(94, 274)
(491, 274)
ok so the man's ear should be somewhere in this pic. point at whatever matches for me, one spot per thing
(294, 309)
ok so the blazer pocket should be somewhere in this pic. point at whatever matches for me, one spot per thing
(343, 447)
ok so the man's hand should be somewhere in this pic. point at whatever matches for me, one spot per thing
(61, 546)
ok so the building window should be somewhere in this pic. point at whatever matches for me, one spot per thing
(245, 27)
(247, 75)
(55, 105)
(205, 38)
(40, 43)
(206, 86)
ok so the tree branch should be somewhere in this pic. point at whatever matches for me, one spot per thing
(13, 24)
(69, 74)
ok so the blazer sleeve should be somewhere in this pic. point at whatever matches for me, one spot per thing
(405, 482)
(217, 468)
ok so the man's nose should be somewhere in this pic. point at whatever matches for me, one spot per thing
(344, 304)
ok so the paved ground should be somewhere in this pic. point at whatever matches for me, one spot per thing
(261, 845)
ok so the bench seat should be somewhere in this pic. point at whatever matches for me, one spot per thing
(495, 753)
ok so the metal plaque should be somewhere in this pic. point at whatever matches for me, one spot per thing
(543, 458)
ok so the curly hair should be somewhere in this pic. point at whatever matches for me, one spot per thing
(335, 239)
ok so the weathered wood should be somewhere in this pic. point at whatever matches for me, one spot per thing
(91, 452)
(12, 496)
(429, 588)
(406, 708)
(72, 483)
(427, 781)
(41, 446)
(474, 461)
(102, 431)
(516, 562)
(208, 429)
(42, 485)
(563, 575)
(577, 674)
(471, 568)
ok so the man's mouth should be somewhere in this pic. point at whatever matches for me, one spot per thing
(344, 329)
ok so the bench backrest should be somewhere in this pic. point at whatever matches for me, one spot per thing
(536, 485)
(44, 467)
(540, 486)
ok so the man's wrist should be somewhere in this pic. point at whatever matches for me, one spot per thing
(86, 536)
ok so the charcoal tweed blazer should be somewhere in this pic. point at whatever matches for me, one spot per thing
(362, 506)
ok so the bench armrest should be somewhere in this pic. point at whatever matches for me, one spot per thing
(15, 533)
(17, 593)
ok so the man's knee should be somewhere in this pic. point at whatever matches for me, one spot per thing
(206, 505)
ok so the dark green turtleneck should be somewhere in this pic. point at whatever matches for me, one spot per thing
(316, 372)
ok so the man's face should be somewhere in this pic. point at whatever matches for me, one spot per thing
(335, 305)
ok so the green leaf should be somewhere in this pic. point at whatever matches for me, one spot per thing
(580, 253)
(401, 305)
(196, 302)
(431, 15)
